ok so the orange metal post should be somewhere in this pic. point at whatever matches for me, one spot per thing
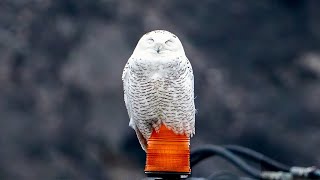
(168, 152)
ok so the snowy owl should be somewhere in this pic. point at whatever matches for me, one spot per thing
(159, 87)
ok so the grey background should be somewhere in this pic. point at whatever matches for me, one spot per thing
(62, 115)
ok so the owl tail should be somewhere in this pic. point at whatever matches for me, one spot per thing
(142, 140)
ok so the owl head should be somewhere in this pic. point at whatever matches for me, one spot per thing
(159, 44)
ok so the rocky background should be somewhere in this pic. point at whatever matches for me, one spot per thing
(62, 115)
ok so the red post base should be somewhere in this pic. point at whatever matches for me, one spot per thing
(168, 153)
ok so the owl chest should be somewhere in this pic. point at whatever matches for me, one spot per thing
(163, 78)
(156, 92)
(160, 75)
(157, 80)
(154, 81)
(151, 84)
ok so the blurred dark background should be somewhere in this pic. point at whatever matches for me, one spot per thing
(62, 114)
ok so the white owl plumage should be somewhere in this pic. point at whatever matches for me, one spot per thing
(159, 86)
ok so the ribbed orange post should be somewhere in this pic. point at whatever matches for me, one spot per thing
(168, 153)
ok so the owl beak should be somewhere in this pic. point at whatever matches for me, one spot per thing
(158, 47)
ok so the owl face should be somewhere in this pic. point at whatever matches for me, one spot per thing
(159, 43)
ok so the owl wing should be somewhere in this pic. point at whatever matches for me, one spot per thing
(191, 74)
(126, 86)
(191, 77)
(125, 80)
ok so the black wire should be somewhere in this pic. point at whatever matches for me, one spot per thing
(226, 175)
(315, 174)
(211, 150)
(223, 175)
(265, 161)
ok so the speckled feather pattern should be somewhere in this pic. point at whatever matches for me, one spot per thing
(158, 92)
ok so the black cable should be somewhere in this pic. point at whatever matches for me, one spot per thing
(269, 163)
(276, 170)
(210, 150)
(315, 174)
(226, 175)
(223, 175)
(265, 161)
